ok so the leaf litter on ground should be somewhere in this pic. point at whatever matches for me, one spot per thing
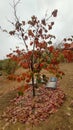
(29, 110)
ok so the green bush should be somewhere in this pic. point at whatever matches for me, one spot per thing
(8, 66)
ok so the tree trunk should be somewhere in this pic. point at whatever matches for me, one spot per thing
(33, 85)
(32, 68)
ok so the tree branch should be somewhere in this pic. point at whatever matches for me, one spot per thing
(14, 7)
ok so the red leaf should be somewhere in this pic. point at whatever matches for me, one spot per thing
(43, 21)
(54, 13)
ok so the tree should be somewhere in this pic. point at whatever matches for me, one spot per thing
(66, 49)
(35, 34)
(38, 53)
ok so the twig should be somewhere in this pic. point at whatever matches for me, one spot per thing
(14, 7)
(11, 22)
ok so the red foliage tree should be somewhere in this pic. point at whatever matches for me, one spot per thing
(68, 49)
(36, 35)
(38, 53)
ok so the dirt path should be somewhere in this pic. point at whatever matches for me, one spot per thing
(61, 120)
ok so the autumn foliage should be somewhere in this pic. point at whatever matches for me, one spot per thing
(38, 54)
(68, 49)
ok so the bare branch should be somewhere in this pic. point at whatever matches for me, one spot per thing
(3, 30)
(11, 22)
(17, 35)
(24, 42)
(17, 2)
(14, 8)
(11, 5)
(48, 17)
(46, 13)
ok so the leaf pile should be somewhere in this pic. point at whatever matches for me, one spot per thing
(27, 110)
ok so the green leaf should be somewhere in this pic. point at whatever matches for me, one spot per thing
(20, 93)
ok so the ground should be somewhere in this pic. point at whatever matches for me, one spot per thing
(61, 120)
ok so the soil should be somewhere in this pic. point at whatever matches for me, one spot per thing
(61, 120)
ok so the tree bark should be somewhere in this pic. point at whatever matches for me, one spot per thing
(32, 68)
(33, 85)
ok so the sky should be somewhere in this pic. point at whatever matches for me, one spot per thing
(63, 23)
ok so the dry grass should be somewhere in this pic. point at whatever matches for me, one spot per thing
(61, 120)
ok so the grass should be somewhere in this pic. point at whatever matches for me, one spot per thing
(61, 120)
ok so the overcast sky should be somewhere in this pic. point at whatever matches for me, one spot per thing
(63, 23)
